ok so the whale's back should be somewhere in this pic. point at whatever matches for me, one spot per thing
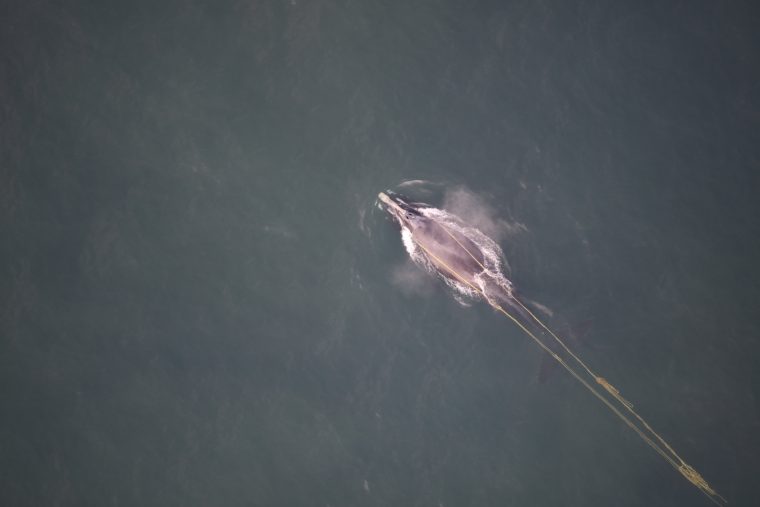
(450, 250)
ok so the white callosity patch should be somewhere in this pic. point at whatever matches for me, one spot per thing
(411, 247)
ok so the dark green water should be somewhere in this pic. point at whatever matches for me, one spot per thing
(196, 299)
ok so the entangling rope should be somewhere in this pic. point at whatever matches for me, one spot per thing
(643, 429)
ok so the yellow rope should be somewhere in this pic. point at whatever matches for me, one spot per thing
(657, 443)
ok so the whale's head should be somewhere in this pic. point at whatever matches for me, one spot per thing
(406, 214)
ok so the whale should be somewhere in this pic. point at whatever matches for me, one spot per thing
(460, 254)
(472, 263)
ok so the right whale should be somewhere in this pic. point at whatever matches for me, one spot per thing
(472, 263)
(461, 255)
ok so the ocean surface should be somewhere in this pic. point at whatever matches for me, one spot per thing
(201, 303)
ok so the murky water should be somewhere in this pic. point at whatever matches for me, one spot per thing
(201, 303)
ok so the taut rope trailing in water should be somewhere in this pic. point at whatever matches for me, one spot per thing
(643, 429)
